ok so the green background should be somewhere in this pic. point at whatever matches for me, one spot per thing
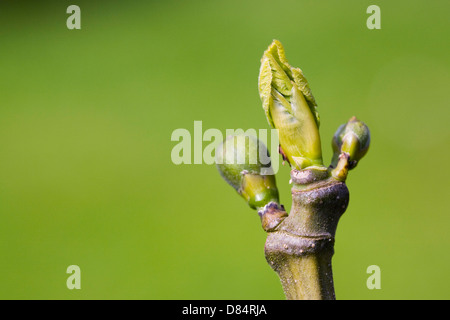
(86, 118)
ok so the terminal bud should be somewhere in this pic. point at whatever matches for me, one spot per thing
(290, 107)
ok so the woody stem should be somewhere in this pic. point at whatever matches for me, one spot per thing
(301, 247)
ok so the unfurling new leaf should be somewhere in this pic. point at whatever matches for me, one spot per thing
(290, 107)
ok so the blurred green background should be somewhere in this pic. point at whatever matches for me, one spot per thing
(86, 118)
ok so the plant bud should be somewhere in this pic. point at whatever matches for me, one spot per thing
(244, 163)
(352, 138)
(290, 107)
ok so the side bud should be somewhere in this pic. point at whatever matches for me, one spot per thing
(352, 138)
(244, 163)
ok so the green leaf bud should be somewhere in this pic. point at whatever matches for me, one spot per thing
(352, 138)
(244, 162)
(290, 107)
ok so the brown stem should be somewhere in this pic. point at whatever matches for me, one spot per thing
(302, 245)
